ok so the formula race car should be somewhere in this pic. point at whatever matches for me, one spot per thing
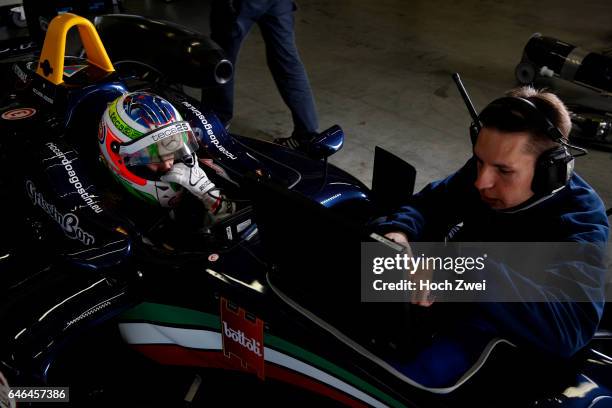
(133, 305)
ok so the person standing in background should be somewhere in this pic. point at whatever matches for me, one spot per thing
(230, 23)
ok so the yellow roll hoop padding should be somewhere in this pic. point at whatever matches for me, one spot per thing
(51, 63)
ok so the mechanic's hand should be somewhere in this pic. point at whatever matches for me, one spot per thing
(419, 297)
(398, 237)
(422, 297)
(191, 178)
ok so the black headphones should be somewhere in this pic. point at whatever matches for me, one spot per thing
(555, 166)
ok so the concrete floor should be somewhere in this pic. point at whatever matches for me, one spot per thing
(382, 71)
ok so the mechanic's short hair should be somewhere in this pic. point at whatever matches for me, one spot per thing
(547, 103)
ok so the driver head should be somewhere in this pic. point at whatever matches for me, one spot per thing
(141, 136)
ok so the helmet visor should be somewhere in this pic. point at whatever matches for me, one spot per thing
(173, 141)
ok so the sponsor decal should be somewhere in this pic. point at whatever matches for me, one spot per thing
(121, 125)
(74, 179)
(242, 338)
(23, 77)
(88, 313)
(19, 113)
(172, 130)
(102, 132)
(94, 309)
(332, 198)
(238, 336)
(208, 127)
(69, 222)
(70, 70)
(43, 96)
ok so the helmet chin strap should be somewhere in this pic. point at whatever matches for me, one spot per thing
(531, 202)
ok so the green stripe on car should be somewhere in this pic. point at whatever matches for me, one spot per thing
(159, 313)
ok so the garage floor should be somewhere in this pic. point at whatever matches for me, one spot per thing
(382, 70)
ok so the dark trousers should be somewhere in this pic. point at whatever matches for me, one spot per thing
(231, 23)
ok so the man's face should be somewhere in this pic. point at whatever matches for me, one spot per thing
(505, 168)
(162, 167)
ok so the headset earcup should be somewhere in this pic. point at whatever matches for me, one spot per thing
(553, 170)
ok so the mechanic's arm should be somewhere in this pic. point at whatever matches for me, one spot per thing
(571, 301)
(434, 210)
(556, 324)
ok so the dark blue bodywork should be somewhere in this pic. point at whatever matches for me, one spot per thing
(78, 261)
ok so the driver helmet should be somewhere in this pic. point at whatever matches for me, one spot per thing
(138, 131)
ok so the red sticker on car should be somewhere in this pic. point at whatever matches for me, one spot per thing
(242, 338)
(18, 114)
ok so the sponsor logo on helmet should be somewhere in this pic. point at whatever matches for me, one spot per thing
(120, 124)
(69, 222)
(19, 113)
(171, 130)
(102, 132)
(73, 179)
(208, 127)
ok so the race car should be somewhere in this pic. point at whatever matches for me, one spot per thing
(89, 276)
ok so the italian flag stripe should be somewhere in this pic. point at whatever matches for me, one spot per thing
(177, 316)
(151, 334)
(176, 355)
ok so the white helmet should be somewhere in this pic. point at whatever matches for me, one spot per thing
(139, 129)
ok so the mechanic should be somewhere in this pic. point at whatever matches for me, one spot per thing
(150, 150)
(518, 186)
(230, 23)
